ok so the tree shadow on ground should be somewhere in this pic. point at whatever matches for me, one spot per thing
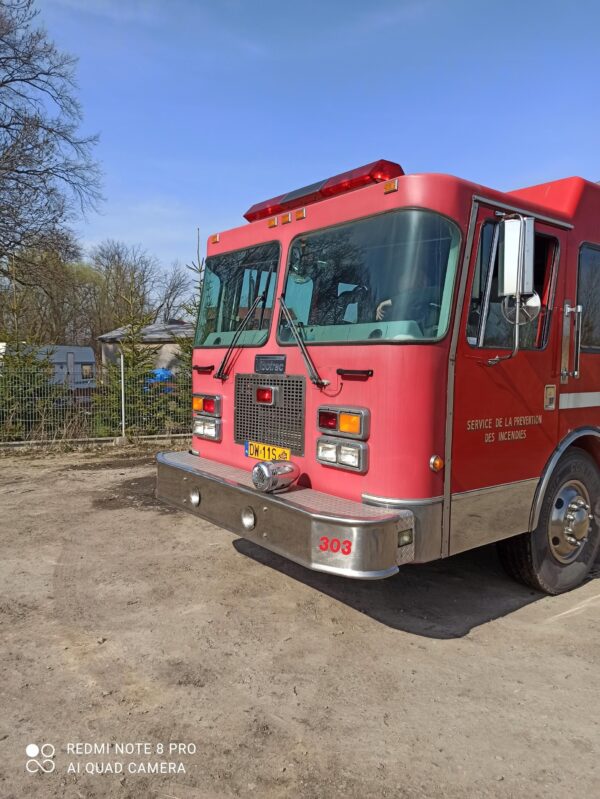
(444, 599)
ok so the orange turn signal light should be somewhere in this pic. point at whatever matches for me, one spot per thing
(349, 423)
(436, 464)
(197, 403)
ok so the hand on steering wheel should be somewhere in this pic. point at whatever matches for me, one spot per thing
(382, 310)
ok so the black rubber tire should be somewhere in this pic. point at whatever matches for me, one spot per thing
(528, 558)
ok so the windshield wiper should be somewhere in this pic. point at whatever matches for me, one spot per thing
(221, 374)
(310, 367)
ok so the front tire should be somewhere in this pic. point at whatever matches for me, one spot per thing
(560, 552)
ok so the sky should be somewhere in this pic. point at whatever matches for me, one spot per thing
(205, 107)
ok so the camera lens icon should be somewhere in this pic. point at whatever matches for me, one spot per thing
(40, 758)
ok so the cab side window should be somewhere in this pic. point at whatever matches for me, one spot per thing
(588, 296)
(486, 325)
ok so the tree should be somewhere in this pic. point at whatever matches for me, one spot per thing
(126, 280)
(50, 287)
(153, 403)
(180, 409)
(190, 309)
(64, 300)
(173, 288)
(46, 167)
(32, 404)
(138, 361)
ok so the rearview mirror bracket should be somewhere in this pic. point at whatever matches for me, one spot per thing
(516, 275)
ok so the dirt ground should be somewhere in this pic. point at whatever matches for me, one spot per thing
(123, 623)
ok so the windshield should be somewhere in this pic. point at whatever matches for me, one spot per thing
(232, 282)
(388, 277)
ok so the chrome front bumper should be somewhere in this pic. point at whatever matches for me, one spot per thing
(293, 524)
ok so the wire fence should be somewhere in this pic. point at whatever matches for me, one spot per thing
(37, 405)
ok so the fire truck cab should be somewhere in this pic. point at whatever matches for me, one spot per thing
(391, 369)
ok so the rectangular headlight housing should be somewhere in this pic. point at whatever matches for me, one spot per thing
(349, 455)
(352, 456)
(326, 451)
(205, 427)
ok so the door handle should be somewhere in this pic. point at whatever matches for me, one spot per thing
(577, 311)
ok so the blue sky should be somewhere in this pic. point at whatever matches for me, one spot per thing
(204, 108)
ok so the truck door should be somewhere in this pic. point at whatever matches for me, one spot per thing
(579, 400)
(505, 409)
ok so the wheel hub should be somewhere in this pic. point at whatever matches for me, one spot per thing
(570, 521)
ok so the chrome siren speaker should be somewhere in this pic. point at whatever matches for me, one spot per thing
(271, 476)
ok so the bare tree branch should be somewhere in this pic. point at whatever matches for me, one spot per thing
(173, 292)
(47, 173)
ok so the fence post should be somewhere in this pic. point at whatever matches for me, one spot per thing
(122, 397)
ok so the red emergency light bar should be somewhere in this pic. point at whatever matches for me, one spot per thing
(347, 181)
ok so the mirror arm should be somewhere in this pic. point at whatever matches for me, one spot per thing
(516, 341)
(488, 287)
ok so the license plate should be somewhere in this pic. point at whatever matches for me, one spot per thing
(266, 452)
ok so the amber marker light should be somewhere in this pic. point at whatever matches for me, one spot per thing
(390, 185)
(436, 464)
(197, 403)
(349, 423)
(272, 222)
(285, 218)
(215, 238)
(300, 214)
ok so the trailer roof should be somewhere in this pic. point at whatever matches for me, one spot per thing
(157, 333)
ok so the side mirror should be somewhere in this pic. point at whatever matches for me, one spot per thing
(527, 311)
(516, 256)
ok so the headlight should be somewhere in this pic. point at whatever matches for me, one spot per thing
(343, 454)
(349, 456)
(326, 452)
(207, 428)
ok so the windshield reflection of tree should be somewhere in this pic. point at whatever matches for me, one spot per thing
(335, 263)
(243, 276)
(386, 268)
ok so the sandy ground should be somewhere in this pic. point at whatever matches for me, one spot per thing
(123, 622)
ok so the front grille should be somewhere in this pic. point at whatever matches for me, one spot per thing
(282, 424)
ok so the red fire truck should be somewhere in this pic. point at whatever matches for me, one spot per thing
(393, 368)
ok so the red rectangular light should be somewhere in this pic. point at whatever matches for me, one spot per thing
(264, 395)
(363, 176)
(374, 172)
(264, 209)
(209, 404)
(328, 420)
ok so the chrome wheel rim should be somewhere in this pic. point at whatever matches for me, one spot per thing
(570, 521)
